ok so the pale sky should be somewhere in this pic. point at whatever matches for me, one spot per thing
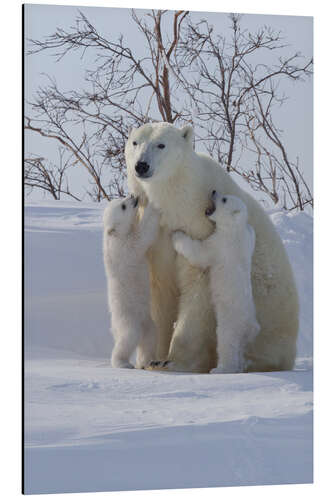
(295, 118)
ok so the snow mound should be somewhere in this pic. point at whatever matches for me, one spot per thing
(296, 232)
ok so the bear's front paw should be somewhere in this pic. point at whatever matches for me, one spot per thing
(143, 364)
(158, 365)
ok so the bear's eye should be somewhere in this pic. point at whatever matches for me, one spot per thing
(134, 143)
(224, 200)
(123, 206)
(161, 146)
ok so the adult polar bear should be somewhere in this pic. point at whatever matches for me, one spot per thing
(163, 168)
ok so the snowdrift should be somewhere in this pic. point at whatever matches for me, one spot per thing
(93, 428)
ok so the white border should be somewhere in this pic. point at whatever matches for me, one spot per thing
(283, 7)
(11, 249)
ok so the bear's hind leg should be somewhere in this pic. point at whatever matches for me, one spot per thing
(234, 332)
(229, 352)
(125, 344)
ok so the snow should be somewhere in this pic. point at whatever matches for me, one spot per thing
(89, 427)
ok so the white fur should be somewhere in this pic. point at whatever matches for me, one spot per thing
(178, 183)
(126, 266)
(227, 253)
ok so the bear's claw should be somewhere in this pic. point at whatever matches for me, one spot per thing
(158, 365)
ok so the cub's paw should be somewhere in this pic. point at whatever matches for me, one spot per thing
(227, 369)
(218, 369)
(121, 364)
(177, 239)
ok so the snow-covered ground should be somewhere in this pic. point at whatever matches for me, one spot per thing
(89, 427)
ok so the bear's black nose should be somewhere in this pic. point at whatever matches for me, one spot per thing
(141, 167)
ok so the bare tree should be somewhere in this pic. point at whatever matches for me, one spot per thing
(187, 74)
(235, 98)
(280, 179)
(52, 178)
(93, 124)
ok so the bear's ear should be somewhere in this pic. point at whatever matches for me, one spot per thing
(187, 133)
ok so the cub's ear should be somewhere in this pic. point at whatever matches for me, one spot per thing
(187, 133)
(130, 131)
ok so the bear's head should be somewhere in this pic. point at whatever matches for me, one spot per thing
(225, 209)
(119, 215)
(157, 150)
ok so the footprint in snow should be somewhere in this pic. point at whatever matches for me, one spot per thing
(76, 387)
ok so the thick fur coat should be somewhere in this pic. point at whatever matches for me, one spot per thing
(125, 245)
(164, 169)
(227, 254)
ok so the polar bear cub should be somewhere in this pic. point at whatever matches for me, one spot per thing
(228, 255)
(126, 242)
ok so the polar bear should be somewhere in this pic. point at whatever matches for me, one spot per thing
(164, 169)
(124, 246)
(227, 253)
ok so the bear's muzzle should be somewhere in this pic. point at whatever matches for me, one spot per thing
(142, 169)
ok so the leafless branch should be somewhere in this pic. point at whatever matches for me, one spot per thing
(231, 93)
(191, 73)
(51, 178)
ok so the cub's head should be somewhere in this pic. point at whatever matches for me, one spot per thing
(225, 209)
(156, 150)
(119, 215)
